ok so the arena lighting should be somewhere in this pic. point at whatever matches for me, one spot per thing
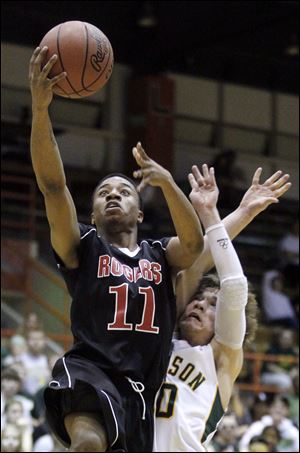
(147, 18)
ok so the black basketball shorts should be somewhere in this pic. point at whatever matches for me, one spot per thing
(79, 385)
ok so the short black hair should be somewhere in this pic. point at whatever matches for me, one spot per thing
(121, 175)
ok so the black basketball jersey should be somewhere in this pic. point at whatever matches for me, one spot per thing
(123, 308)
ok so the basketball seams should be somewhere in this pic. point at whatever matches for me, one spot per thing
(83, 77)
(86, 54)
(86, 88)
(62, 65)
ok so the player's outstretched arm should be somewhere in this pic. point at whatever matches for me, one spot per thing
(230, 319)
(257, 198)
(47, 163)
(183, 249)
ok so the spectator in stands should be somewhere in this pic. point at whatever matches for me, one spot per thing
(11, 439)
(277, 306)
(15, 414)
(19, 368)
(4, 352)
(279, 373)
(289, 246)
(10, 389)
(278, 416)
(42, 437)
(35, 362)
(240, 409)
(31, 322)
(258, 444)
(17, 347)
(259, 407)
(288, 249)
(231, 178)
(272, 437)
(293, 396)
(226, 438)
(48, 443)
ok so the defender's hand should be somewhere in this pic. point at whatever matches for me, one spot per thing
(205, 192)
(260, 195)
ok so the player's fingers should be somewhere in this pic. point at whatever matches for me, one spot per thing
(197, 174)
(256, 176)
(32, 59)
(212, 176)
(279, 192)
(36, 64)
(137, 157)
(277, 184)
(49, 65)
(205, 172)
(142, 152)
(192, 181)
(58, 78)
(138, 174)
(270, 200)
(272, 178)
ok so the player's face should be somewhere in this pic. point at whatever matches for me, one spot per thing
(116, 200)
(197, 324)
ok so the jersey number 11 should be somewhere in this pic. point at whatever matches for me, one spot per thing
(121, 304)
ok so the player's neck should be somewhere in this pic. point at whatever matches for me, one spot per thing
(121, 240)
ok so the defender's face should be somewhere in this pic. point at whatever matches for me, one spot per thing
(116, 199)
(197, 324)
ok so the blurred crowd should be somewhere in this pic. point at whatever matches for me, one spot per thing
(26, 367)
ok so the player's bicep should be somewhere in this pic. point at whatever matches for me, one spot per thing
(177, 256)
(64, 228)
(187, 282)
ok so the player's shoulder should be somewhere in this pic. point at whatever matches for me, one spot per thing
(155, 243)
(86, 230)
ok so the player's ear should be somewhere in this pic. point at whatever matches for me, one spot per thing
(140, 216)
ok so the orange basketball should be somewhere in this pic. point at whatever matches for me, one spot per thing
(84, 53)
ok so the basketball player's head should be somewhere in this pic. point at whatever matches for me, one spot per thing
(197, 323)
(116, 201)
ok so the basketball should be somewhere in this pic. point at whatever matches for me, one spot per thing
(84, 53)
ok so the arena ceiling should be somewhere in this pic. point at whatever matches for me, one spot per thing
(248, 42)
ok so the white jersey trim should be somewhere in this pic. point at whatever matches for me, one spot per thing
(93, 229)
(67, 371)
(114, 416)
(155, 242)
(128, 252)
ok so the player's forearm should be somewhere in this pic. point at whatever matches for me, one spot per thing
(46, 160)
(185, 219)
(230, 322)
(234, 223)
(237, 220)
(208, 216)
